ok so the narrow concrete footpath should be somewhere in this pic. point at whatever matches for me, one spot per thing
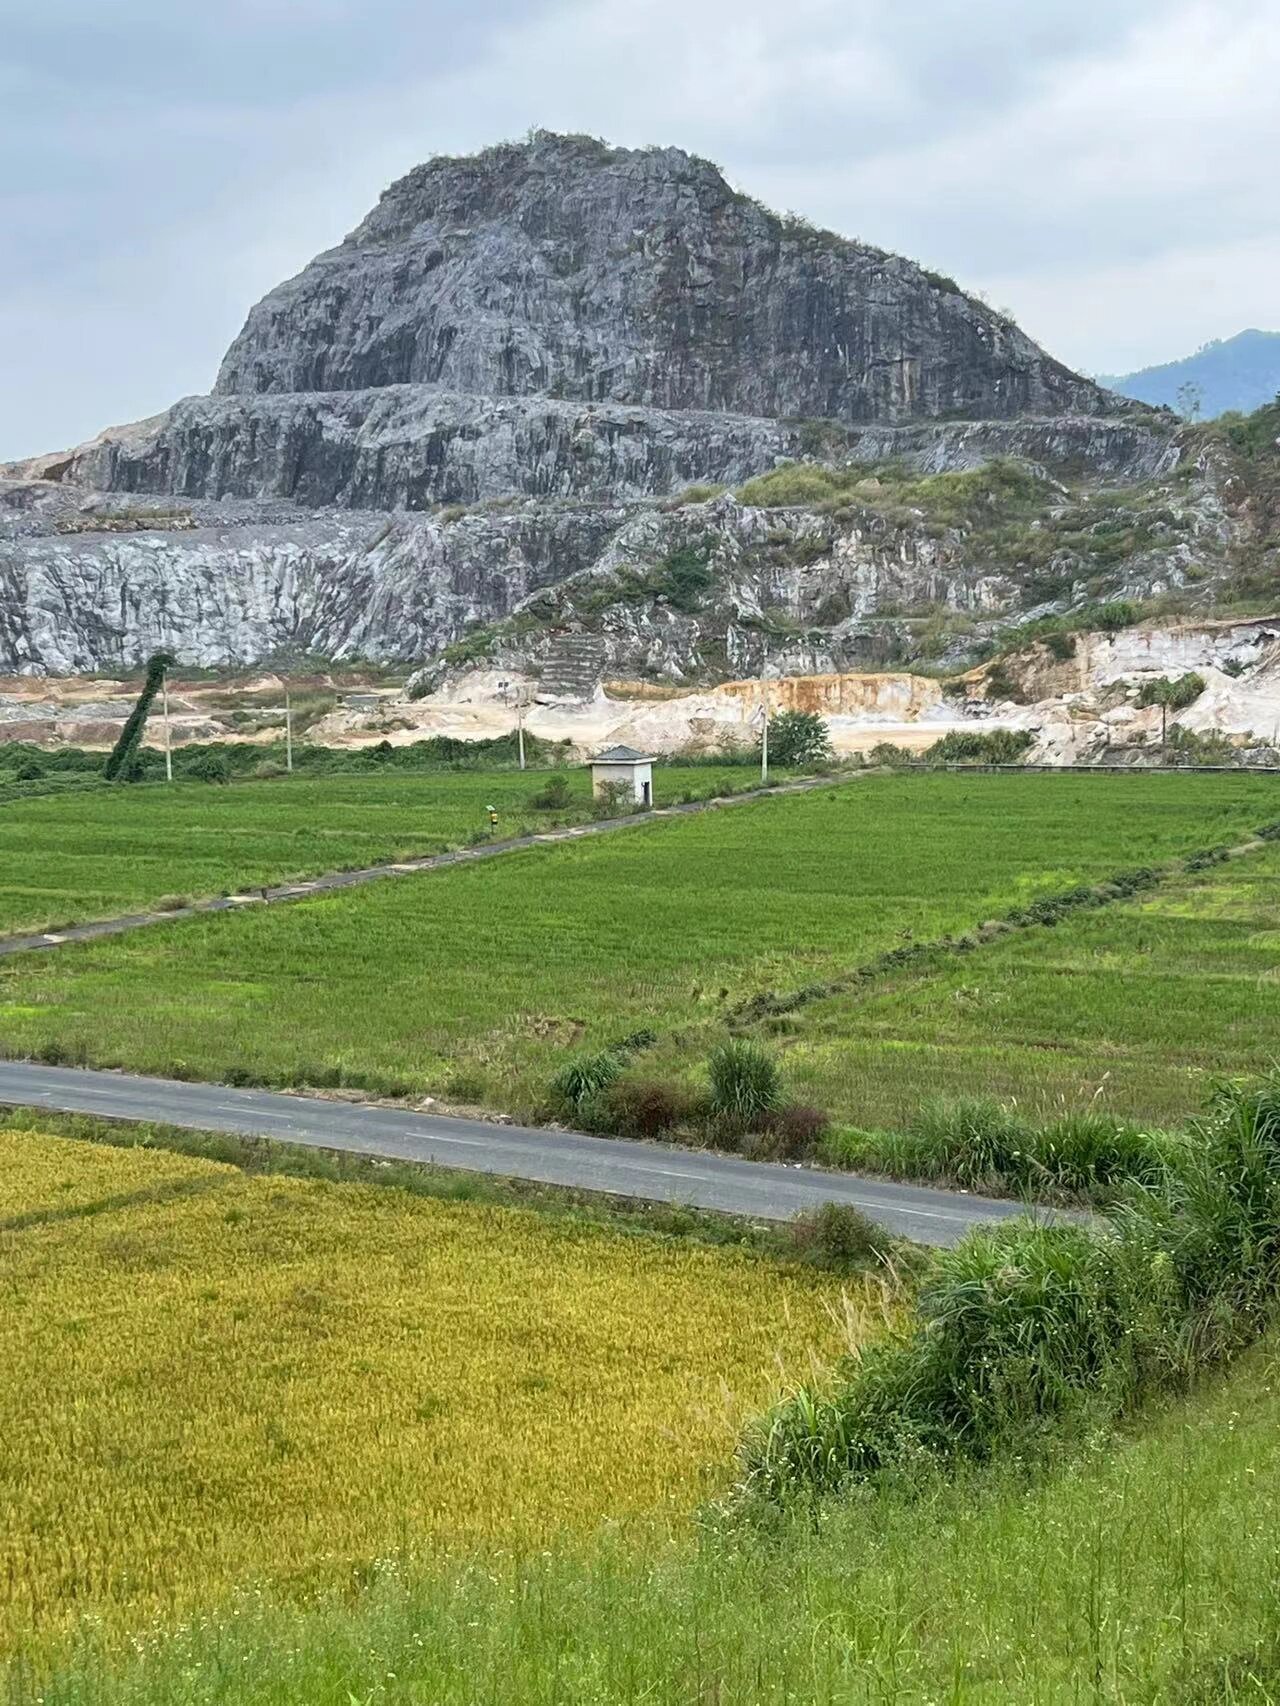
(651, 1172)
(333, 880)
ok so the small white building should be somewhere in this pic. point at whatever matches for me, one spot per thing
(632, 769)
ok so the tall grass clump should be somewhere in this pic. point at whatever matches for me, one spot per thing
(986, 1145)
(587, 1076)
(745, 1083)
(1022, 1326)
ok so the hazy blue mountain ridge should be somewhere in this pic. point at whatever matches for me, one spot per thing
(1229, 373)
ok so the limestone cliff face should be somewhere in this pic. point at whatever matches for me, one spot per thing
(558, 337)
(409, 447)
(566, 269)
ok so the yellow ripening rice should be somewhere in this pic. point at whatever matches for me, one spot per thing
(45, 1177)
(277, 1379)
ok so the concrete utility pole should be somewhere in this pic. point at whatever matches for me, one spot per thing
(168, 744)
(274, 711)
(764, 727)
(515, 690)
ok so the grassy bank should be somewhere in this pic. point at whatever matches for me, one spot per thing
(478, 983)
(1022, 1329)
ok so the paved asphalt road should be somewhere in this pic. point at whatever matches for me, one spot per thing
(650, 1171)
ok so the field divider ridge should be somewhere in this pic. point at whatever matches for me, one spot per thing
(1045, 912)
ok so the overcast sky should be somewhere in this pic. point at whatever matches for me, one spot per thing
(1105, 169)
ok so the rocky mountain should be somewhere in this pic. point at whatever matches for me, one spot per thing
(561, 268)
(1229, 373)
(558, 338)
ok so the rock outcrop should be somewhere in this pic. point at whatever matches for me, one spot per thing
(563, 268)
(556, 335)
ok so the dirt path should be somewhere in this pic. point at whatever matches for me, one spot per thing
(333, 880)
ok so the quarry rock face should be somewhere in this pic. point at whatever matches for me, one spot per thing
(566, 269)
(559, 337)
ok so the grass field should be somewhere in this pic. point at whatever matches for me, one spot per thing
(1134, 1008)
(475, 982)
(214, 1379)
(1139, 1573)
(66, 858)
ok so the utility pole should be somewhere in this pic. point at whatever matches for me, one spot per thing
(288, 733)
(168, 744)
(515, 690)
(764, 727)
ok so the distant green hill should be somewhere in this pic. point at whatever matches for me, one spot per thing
(1236, 373)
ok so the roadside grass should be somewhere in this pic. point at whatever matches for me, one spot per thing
(66, 858)
(479, 983)
(1131, 1011)
(283, 1381)
(1139, 1571)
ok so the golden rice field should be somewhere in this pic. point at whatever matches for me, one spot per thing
(213, 1379)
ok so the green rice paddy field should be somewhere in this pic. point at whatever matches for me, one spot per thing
(1137, 1006)
(67, 858)
(476, 982)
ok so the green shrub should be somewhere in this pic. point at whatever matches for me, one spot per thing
(555, 794)
(984, 1145)
(985, 746)
(977, 1141)
(838, 1235)
(614, 799)
(208, 767)
(1117, 614)
(792, 485)
(745, 1083)
(684, 577)
(895, 757)
(587, 1076)
(1172, 695)
(797, 739)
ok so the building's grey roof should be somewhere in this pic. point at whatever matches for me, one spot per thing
(622, 755)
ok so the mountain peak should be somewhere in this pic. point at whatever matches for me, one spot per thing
(565, 268)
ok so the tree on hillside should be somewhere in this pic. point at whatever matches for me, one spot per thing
(119, 765)
(1171, 696)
